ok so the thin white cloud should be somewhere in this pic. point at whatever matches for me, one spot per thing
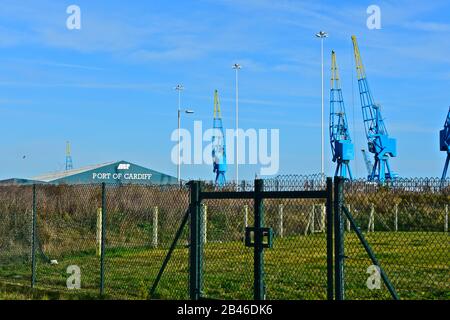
(88, 85)
(57, 64)
(180, 54)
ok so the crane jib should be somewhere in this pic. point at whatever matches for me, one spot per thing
(379, 143)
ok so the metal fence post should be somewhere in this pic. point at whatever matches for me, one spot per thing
(446, 219)
(323, 216)
(245, 219)
(155, 227)
(280, 213)
(396, 218)
(339, 237)
(102, 241)
(348, 221)
(259, 288)
(329, 231)
(98, 239)
(310, 224)
(245, 216)
(33, 238)
(195, 252)
(258, 253)
(205, 222)
(371, 226)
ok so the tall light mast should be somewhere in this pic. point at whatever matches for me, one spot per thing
(179, 88)
(237, 67)
(322, 35)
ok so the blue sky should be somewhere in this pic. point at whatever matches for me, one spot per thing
(108, 88)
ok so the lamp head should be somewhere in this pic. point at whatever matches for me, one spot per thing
(322, 34)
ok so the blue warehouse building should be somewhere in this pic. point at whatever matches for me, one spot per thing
(119, 172)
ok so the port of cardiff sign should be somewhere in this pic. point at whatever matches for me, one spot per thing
(123, 173)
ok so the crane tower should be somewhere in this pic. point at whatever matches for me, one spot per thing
(445, 143)
(218, 144)
(341, 143)
(379, 143)
(69, 163)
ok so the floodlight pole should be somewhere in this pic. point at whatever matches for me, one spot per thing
(322, 35)
(179, 88)
(237, 67)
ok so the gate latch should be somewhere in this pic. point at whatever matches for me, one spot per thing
(266, 235)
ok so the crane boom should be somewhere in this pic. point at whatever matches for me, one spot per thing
(341, 142)
(218, 144)
(379, 143)
(445, 143)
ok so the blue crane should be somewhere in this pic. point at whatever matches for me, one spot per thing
(341, 143)
(218, 144)
(379, 143)
(69, 162)
(445, 143)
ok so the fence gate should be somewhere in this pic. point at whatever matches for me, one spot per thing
(272, 242)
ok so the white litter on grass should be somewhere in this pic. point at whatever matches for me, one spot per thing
(53, 262)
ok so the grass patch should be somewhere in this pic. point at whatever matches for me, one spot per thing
(295, 268)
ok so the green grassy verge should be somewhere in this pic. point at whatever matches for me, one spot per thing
(416, 262)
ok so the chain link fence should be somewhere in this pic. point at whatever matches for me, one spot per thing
(15, 234)
(227, 262)
(406, 224)
(66, 235)
(295, 267)
(140, 223)
(127, 231)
